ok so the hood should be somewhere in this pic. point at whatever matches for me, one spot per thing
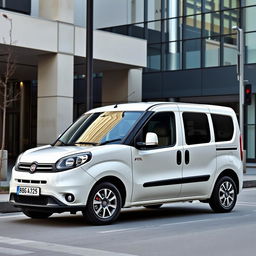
(51, 154)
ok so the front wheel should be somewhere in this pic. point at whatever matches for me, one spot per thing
(224, 195)
(36, 214)
(103, 205)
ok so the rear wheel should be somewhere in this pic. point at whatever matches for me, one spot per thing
(155, 206)
(224, 195)
(36, 214)
(103, 205)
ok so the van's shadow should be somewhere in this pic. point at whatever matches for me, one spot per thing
(134, 215)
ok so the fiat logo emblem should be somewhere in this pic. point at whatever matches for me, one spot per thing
(33, 167)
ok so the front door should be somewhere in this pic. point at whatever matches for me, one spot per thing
(157, 171)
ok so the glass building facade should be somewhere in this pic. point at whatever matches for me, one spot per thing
(192, 51)
(189, 34)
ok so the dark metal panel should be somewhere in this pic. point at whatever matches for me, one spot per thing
(152, 85)
(197, 82)
(219, 81)
(182, 83)
(23, 6)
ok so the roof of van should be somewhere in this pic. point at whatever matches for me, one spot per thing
(157, 106)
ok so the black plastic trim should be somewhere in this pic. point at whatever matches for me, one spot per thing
(223, 149)
(177, 181)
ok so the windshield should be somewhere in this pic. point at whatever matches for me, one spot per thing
(100, 128)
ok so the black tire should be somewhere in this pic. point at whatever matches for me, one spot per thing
(36, 214)
(154, 206)
(224, 195)
(103, 205)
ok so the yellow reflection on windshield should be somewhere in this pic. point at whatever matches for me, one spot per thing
(101, 126)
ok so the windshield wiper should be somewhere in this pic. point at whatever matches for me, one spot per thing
(109, 141)
(86, 143)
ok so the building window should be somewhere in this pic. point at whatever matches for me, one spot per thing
(154, 57)
(212, 52)
(211, 5)
(248, 2)
(172, 55)
(211, 24)
(249, 18)
(192, 53)
(250, 47)
(229, 50)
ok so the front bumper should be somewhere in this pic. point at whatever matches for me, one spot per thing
(54, 186)
(42, 203)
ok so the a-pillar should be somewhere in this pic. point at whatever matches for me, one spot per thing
(55, 96)
(122, 86)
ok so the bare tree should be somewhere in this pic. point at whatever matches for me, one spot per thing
(6, 94)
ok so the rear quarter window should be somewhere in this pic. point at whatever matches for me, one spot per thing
(223, 127)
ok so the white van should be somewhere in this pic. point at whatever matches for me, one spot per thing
(143, 154)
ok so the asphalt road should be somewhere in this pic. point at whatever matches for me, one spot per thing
(175, 229)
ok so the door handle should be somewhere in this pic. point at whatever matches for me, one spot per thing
(186, 157)
(178, 157)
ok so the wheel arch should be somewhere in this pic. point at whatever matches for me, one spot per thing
(232, 174)
(117, 182)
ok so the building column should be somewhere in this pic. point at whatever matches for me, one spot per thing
(55, 96)
(61, 10)
(122, 86)
(56, 73)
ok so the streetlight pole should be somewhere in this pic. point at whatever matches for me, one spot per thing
(240, 77)
(89, 55)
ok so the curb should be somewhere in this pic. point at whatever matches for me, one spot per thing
(6, 207)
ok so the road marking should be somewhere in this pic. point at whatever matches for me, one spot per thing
(60, 248)
(116, 230)
(247, 204)
(9, 251)
(11, 216)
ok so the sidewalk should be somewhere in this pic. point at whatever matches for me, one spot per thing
(249, 182)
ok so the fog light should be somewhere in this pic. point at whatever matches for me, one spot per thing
(70, 198)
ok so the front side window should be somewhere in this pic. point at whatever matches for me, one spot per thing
(100, 128)
(163, 124)
(196, 127)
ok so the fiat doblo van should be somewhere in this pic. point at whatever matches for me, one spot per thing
(140, 154)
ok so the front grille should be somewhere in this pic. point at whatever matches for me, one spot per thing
(31, 181)
(25, 167)
(35, 200)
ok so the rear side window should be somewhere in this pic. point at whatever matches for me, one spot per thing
(223, 127)
(196, 128)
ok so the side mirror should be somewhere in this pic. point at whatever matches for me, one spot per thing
(151, 139)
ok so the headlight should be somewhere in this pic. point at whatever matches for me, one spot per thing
(73, 161)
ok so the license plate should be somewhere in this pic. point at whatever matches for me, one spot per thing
(30, 191)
